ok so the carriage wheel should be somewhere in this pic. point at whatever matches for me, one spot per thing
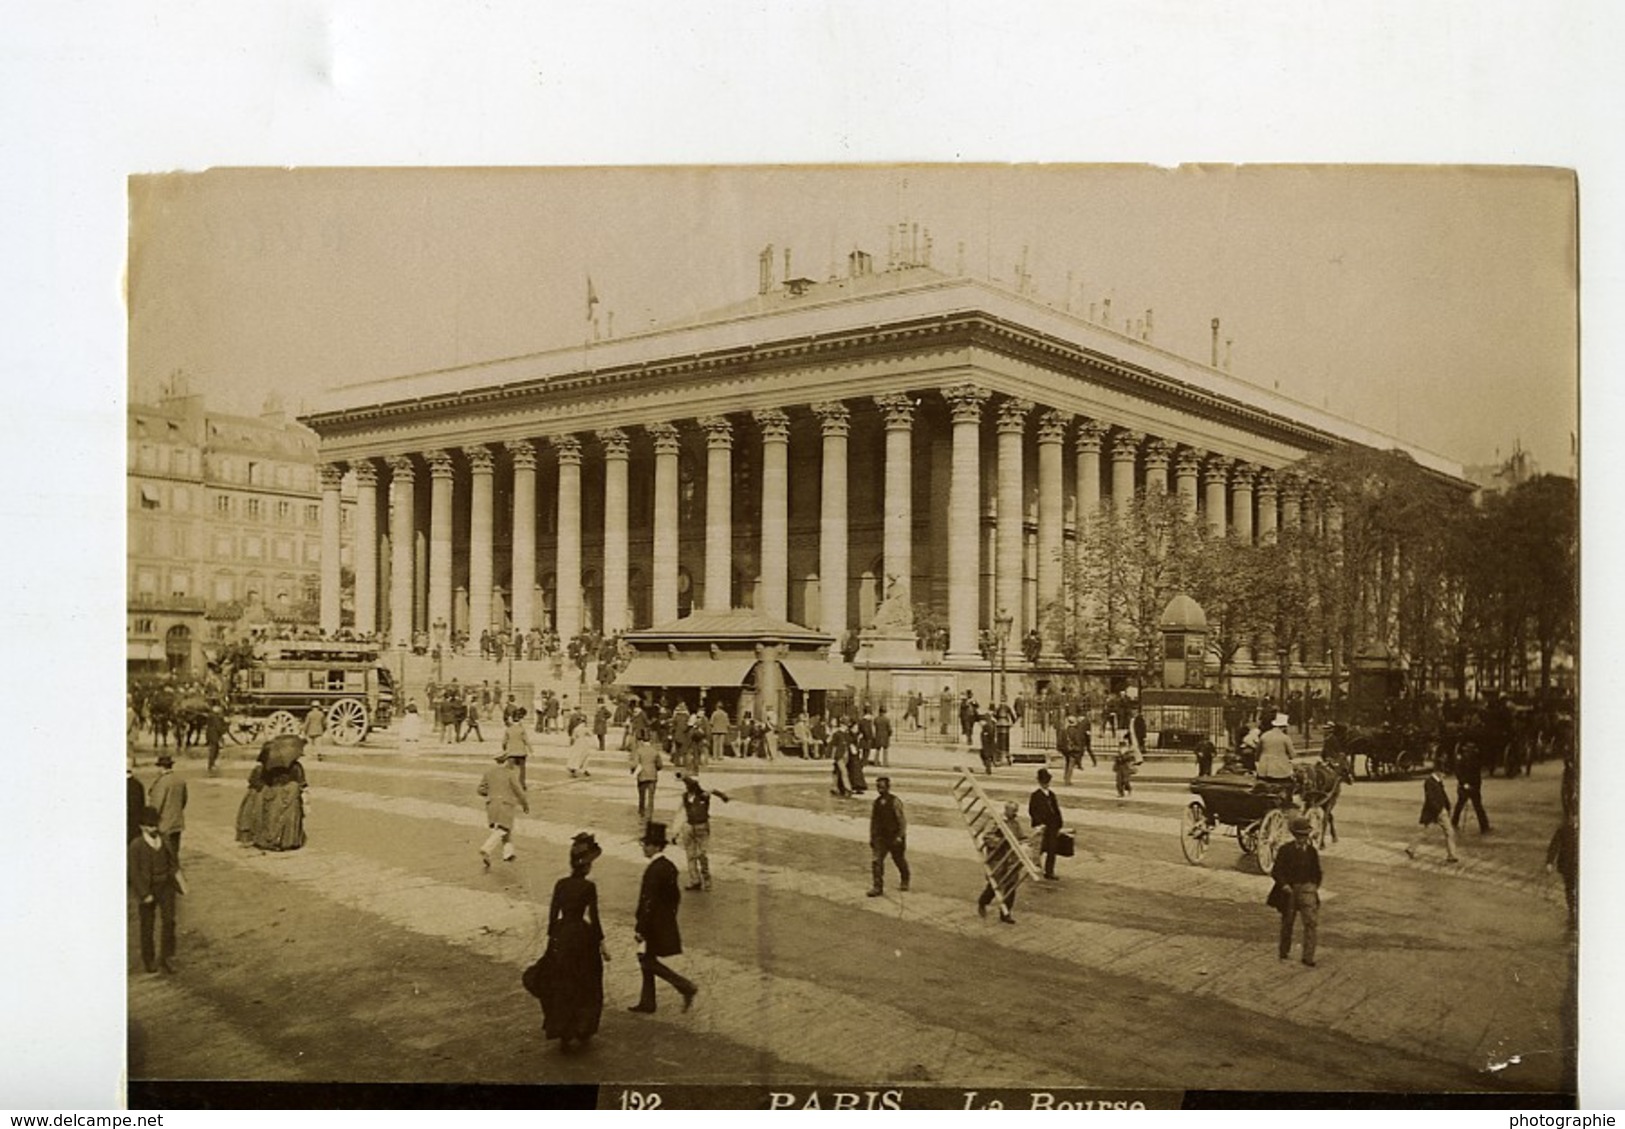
(1195, 832)
(243, 730)
(1273, 830)
(280, 723)
(346, 721)
(1247, 837)
(1405, 762)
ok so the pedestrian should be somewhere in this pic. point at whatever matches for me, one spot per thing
(883, 738)
(719, 732)
(580, 739)
(471, 720)
(1205, 752)
(1123, 765)
(1138, 728)
(1297, 889)
(694, 829)
(516, 744)
(135, 799)
(854, 762)
(985, 733)
(998, 849)
(819, 731)
(504, 798)
(656, 923)
(600, 724)
(645, 765)
(1435, 811)
(281, 823)
(168, 795)
(1044, 810)
(1470, 786)
(840, 756)
(1275, 754)
(888, 835)
(251, 811)
(699, 740)
(1247, 747)
(1066, 744)
(571, 970)
(214, 732)
(866, 735)
(153, 869)
(411, 725)
(315, 725)
(1563, 856)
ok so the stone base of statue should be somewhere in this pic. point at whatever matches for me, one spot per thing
(881, 646)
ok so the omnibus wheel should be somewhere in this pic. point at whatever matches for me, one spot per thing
(243, 730)
(346, 721)
(278, 724)
(1194, 832)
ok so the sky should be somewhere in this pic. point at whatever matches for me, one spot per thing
(1435, 304)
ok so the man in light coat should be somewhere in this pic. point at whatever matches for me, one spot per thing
(504, 798)
(168, 795)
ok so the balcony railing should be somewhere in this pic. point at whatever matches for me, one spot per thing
(167, 603)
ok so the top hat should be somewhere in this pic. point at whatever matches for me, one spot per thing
(654, 835)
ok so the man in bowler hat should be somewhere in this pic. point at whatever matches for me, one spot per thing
(656, 923)
(151, 867)
(1297, 890)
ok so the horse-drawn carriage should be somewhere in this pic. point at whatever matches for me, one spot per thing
(1260, 812)
(1389, 750)
(270, 694)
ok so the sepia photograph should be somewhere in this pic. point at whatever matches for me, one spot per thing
(913, 635)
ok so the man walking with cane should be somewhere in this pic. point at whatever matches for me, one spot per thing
(656, 924)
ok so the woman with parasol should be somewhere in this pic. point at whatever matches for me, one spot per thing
(283, 825)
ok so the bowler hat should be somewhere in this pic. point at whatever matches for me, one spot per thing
(654, 835)
(164, 760)
(1301, 826)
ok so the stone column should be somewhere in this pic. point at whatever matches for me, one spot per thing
(964, 527)
(1012, 427)
(832, 567)
(366, 546)
(1186, 466)
(1241, 502)
(440, 472)
(1217, 468)
(775, 427)
(403, 479)
(523, 596)
(617, 551)
(898, 538)
(1125, 444)
(1291, 495)
(481, 522)
(1051, 517)
(332, 477)
(663, 578)
(719, 445)
(567, 560)
(1157, 454)
(1264, 487)
(1087, 445)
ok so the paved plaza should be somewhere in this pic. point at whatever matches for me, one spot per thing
(383, 952)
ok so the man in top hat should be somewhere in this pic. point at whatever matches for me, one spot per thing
(656, 922)
(151, 866)
(1297, 889)
(1275, 753)
(1435, 811)
(1044, 811)
(168, 795)
(504, 796)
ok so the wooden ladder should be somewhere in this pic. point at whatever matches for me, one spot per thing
(989, 830)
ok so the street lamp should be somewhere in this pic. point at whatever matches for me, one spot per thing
(1001, 639)
(1282, 654)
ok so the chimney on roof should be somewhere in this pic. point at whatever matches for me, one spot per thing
(1228, 341)
(1106, 313)
(1147, 334)
(1214, 361)
(787, 275)
(764, 270)
(928, 246)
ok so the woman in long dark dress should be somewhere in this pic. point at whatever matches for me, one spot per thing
(573, 966)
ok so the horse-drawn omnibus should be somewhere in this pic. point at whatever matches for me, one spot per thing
(270, 693)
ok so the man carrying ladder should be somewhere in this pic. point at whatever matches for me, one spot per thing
(1005, 860)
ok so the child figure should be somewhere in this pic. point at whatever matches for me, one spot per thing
(1123, 764)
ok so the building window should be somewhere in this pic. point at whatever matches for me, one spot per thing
(284, 511)
(222, 505)
(223, 589)
(284, 549)
(180, 584)
(222, 546)
(255, 473)
(313, 515)
(181, 499)
(253, 547)
(143, 626)
(253, 509)
(149, 497)
(146, 582)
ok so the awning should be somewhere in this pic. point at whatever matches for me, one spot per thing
(657, 671)
(149, 494)
(815, 674)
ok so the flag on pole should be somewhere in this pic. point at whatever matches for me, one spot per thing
(592, 297)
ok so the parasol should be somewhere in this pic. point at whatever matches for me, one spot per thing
(284, 750)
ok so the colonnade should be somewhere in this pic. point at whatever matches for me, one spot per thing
(1232, 490)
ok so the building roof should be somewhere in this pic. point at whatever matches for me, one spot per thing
(911, 308)
(737, 625)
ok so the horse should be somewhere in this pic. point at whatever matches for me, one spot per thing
(1320, 783)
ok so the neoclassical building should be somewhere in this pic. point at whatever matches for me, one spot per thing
(802, 454)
